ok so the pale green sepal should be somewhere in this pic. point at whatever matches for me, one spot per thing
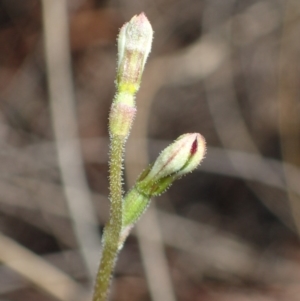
(155, 188)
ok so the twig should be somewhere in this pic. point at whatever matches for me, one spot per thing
(39, 272)
(63, 113)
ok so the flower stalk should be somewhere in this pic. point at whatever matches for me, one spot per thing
(134, 44)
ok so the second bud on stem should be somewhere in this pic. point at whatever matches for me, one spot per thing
(181, 157)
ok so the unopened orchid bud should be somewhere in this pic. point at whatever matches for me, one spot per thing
(181, 157)
(134, 45)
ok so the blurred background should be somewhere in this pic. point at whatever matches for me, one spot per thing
(227, 69)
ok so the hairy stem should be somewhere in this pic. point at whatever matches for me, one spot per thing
(113, 229)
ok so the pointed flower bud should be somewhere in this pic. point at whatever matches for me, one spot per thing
(181, 157)
(134, 45)
(178, 159)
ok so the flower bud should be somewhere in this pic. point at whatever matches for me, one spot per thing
(178, 159)
(134, 45)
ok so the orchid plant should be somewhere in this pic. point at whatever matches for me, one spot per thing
(178, 159)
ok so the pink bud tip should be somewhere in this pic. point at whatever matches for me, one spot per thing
(194, 147)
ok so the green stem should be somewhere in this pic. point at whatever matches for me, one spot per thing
(113, 229)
